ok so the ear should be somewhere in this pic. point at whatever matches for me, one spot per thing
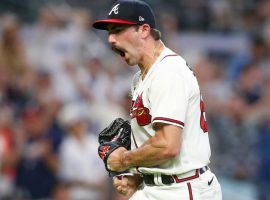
(144, 30)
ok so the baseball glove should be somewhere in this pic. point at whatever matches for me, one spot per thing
(116, 135)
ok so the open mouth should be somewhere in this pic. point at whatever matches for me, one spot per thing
(119, 51)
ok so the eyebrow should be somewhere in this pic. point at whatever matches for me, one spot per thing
(116, 28)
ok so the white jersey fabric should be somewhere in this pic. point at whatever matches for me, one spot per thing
(170, 94)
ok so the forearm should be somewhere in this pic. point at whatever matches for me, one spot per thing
(146, 156)
(158, 149)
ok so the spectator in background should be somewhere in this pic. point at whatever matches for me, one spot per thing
(80, 166)
(12, 57)
(258, 54)
(247, 105)
(7, 172)
(50, 104)
(43, 88)
(90, 44)
(59, 39)
(16, 73)
(37, 163)
(222, 17)
(103, 90)
(252, 94)
(98, 80)
(251, 108)
(36, 37)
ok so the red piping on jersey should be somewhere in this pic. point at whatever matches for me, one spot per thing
(190, 191)
(134, 140)
(169, 120)
(168, 56)
(177, 180)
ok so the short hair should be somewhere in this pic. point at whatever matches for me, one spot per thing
(156, 34)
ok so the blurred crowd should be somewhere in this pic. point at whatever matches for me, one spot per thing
(60, 85)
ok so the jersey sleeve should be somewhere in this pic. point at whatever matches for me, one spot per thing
(168, 96)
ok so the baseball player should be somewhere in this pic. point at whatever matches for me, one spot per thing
(170, 149)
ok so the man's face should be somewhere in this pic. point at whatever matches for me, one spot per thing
(125, 40)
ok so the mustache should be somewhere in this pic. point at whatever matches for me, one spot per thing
(117, 49)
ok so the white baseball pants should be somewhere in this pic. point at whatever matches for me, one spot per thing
(205, 187)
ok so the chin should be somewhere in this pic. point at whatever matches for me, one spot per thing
(131, 63)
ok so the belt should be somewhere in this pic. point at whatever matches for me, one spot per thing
(162, 179)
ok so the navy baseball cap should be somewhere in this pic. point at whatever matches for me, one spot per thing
(129, 12)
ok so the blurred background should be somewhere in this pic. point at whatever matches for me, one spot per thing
(60, 84)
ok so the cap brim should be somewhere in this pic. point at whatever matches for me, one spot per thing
(102, 24)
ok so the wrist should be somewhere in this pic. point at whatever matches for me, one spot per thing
(124, 162)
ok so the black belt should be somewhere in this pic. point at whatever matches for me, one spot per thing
(170, 179)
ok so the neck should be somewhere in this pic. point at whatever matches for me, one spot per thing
(151, 57)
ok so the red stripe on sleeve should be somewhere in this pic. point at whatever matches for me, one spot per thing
(169, 120)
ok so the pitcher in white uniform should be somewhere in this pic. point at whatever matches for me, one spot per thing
(170, 149)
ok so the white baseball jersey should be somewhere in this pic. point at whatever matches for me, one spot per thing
(170, 94)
